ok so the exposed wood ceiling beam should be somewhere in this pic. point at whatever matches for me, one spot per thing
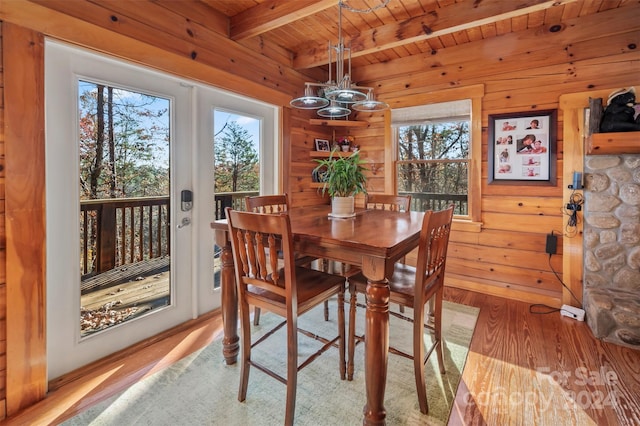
(273, 14)
(198, 12)
(447, 20)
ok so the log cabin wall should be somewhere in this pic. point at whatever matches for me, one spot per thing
(524, 72)
(521, 72)
(3, 244)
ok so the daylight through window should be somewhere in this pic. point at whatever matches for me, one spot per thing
(433, 151)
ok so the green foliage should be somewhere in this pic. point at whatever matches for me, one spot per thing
(343, 175)
(123, 144)
(236, 161)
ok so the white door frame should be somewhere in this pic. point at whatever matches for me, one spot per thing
(64, 66)
(192, 246)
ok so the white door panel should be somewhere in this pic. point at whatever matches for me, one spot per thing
(208, 101)
(64, 66)
(192, 159)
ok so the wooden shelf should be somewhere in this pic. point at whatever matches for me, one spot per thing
(337, 123)
(613, 143)
(326, 154)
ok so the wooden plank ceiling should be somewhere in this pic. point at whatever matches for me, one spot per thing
(282, 43)
(297, 32)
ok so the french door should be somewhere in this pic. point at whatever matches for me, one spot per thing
(130, 198)
(120, 171)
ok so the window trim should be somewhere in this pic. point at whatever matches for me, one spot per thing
(472, 222)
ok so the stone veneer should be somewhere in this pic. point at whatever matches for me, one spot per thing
(612, 248)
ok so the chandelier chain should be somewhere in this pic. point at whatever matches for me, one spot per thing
(336, 99)
(382, 4)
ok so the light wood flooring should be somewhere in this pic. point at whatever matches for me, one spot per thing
(522, 369)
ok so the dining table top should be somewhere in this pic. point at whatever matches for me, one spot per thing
(379, 233)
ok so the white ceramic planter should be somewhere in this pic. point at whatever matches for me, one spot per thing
(343, 207)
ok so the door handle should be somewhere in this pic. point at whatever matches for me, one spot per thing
(185, 222)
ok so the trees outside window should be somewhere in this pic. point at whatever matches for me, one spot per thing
(237, 165)
(433, 164)
(124, 140)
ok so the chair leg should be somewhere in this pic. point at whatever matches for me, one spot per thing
(430, 313)
(438, 328)
(292, 371)
(256, 316)
(245, 354)
(325, 268)
(342, 340)
(352, 331)
(418, 358)
(326, 310)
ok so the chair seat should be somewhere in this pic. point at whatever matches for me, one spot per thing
(313, 286)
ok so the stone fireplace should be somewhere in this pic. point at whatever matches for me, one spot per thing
(612, 247)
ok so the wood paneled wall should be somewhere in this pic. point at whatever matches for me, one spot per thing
(24, 217)
(3, 251)
(521, 72)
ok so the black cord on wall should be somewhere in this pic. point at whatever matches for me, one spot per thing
(571, 209)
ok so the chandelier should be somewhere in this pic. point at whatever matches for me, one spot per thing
(336, 98)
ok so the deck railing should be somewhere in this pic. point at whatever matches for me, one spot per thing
(423, 201)
(235, 200)
(121, 231)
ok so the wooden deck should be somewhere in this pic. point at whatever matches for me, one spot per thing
(124, 293)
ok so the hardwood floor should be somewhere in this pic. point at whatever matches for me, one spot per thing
(542, 369)
(522, 369)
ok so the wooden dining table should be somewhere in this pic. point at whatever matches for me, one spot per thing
(373, 240)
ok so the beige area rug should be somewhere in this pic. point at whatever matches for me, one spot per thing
(201, 390)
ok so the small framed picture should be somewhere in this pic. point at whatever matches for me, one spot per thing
(322, 145)
(522, 148)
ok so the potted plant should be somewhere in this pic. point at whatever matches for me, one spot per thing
(343, 179)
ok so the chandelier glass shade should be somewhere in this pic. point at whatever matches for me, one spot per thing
(337, 98)
(369, 104)
(309, 100)
(334, 110)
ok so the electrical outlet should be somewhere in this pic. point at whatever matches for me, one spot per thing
(552, 243)
(572, 312)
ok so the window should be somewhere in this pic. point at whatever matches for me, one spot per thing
(434, 154)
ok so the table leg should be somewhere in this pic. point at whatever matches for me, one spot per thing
(376, 351)
(230, 341)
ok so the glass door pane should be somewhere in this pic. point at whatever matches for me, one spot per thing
(124, 150)
(236, 145)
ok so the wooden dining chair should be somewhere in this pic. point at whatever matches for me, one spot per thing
(289, 291)
(413, 287)
(400, 203)
(276, 204)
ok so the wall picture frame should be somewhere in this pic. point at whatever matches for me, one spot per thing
(323, 145)
(522, 148)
